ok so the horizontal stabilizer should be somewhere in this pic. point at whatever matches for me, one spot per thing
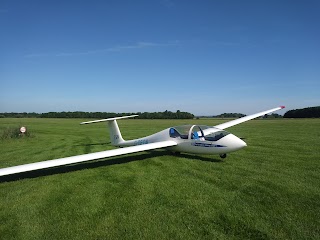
(84, 157)
(109, 119)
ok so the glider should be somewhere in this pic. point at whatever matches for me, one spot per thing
(198, 139)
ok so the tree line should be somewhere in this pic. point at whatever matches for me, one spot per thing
(230, 115)
(100, 115)
(240, 115)
(310, 112)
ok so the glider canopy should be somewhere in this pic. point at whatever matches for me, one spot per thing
(197, 132)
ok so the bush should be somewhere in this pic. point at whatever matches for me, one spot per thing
(14, 132)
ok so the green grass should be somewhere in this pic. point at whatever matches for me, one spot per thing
(269, 190)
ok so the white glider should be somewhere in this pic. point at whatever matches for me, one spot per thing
(198, 139)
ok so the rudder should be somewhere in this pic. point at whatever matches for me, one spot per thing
(115, 134)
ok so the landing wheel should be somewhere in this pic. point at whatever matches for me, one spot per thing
(223, 155)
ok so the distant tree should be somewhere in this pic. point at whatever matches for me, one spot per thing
(230, 115)
(273, 115)
(310, 112)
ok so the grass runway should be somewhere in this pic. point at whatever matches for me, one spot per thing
(268, 190)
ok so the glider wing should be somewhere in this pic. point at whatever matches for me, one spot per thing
(84, 158)
(246, 118)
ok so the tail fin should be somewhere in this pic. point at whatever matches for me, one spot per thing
(115, 134)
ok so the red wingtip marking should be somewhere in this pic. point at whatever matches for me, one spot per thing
(282, 106)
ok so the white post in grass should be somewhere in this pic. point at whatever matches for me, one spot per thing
(23, 130)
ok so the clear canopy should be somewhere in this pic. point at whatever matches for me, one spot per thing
(196, 132)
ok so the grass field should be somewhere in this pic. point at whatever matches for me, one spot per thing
(269, 190)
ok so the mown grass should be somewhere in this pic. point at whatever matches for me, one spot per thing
(269, 190)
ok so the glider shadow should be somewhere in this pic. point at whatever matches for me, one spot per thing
(92, 144)
(200, 158)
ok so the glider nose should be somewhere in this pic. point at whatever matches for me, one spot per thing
(241, 143)
(235, 143)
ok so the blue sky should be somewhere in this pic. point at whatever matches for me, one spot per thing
(205, 57)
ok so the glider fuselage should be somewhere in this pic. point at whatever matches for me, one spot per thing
(190, 139)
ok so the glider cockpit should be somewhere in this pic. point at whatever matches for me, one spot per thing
(196, 132)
